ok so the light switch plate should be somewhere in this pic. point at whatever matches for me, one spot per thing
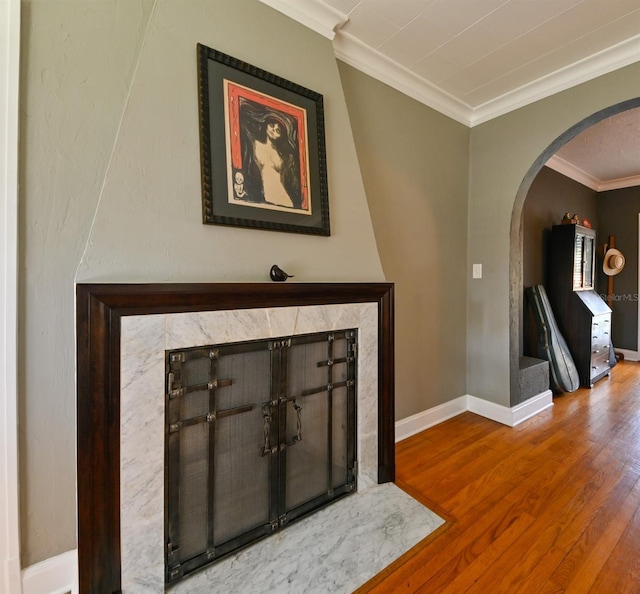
(477, 271)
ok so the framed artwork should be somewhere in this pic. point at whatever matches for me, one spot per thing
(262, 148)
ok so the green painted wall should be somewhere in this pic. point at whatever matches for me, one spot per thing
(414, 165)
(74, 86)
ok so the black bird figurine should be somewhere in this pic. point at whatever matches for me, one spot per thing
(278, 275)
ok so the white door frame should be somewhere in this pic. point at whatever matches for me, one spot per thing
(10, 579)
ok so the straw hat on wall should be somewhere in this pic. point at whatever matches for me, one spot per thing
(613, 262)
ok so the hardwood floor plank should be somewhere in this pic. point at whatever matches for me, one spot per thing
(471, 563)
(528, 562)
(621, 572)
(547, 507)
(411, 575)
(539, 574)
(587, 557)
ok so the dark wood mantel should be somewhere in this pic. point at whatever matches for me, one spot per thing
(99, 309)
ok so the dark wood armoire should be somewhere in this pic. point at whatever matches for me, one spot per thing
(582, 315)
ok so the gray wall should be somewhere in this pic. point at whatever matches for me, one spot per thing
(618, 212)
(414, 164)
(110, 191)
(505, 155)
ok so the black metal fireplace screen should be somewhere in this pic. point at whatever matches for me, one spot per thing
(258, 434)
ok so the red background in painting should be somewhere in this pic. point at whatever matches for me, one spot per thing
(233, 93)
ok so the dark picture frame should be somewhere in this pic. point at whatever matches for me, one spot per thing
(262, 148)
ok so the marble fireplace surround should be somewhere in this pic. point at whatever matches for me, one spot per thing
(107, 313)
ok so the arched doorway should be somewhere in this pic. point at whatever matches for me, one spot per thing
(516, 305)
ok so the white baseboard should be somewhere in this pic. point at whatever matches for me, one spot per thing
(629, 355)
(10, 579)
(531, 407)
(58, 575)
(489, 410)
(507, 416)
(428, 418)
(511, 416)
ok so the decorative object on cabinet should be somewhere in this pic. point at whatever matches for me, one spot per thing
(583, 317)
(551, 344)
(572, 219)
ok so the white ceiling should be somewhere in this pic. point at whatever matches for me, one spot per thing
(474, 60)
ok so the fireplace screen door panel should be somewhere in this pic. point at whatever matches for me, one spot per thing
(321, 376)
(258, 434)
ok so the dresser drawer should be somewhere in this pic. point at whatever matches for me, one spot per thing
(600, 365)
(599, 349)
(600, 333)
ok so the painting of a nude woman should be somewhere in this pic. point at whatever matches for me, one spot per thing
(265, 140)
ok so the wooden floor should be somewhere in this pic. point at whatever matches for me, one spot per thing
(552, 505)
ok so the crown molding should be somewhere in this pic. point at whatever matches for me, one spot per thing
(368, 60)
(572, 172)
(314, 14)
(617, 56)
(618, 184)
(576, 174)
(327, 21)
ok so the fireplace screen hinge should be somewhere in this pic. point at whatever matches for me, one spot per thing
(173, 562)
(279, 522)
(172, 552)
(279, 344)
(353, 473)
(173, 387)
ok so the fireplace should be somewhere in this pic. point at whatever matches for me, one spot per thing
(108, 397)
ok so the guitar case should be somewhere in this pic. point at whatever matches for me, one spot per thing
(551, 344)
